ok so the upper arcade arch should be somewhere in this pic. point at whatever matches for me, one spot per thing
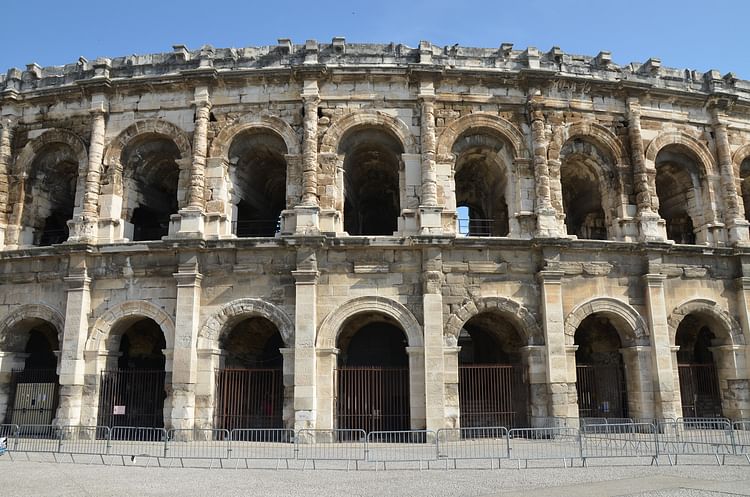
(140, 129)
(523, 321)
(251, 123)
(333, 324)
(223, 320)
(333, 137)
(696, 148)
(630, 326)
(741, 165)
(483, 121)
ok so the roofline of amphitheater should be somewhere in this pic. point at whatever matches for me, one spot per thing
(288, 60)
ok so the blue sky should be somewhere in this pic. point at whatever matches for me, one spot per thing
(690, 34)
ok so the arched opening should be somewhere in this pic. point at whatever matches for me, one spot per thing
(249, 384)
(133, 392)
(49, 195)
(372, 162)
(699, 381)
(600, 372)
(679, 192)
(745, 186)
(150, 176)
(373, 375)
(582, 200)
(492, 389)
(482, 184)
(31, 391)
(258, 173)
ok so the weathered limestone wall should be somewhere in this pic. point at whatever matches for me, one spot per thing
(518, 120)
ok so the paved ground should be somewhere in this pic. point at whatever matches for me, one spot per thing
(46, 478)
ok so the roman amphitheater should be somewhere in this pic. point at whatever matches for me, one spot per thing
(382, 237)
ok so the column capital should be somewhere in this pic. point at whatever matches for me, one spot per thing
(77, 282)
(551, 277)
(654, 280)
(188, 279)
(306, 277)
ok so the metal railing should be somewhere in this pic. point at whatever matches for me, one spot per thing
(561, 439)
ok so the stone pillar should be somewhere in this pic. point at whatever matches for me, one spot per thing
(667, 402)
(733, 215)
(652, 227)
(305, 332)
(308, 212)
(184, 355)
(432, 305)
(450, 375)
(96, 362)
(430, 214)
(417, 408)
(547, 224)
(72, 367)
(561, 387)
(6, 135)
(192, 217)
(209, 361)
(326, 362)
(9, 361)
(638, 381)
(743, 307)
(84, 226)
(287, 410)
(731, 370)
(534, 361)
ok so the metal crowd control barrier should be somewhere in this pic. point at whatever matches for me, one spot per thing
(620, 440)
(84, 440)
(401, 446)
(527, 444)
(197, 443)
(741, 430)
(332, 445)
(38, 438)
(696, 437)
(133, 442)
(247, 444)
(454, 444)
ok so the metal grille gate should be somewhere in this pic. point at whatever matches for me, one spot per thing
(699, 391)
(492, 395)
(33, 397)
(373, 398)
(601, 391)
(132, 398)
(249, 398)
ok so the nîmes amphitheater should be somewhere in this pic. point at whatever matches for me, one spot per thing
(380, 237)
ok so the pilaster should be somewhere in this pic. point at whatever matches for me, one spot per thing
(184, 360)
(561, 387)
(7, 126)
(305, 322)
(72, 368)
(547, 224)
(434, 366)
(307, 213)
(736, 224)
(667, 402)
(192, 217)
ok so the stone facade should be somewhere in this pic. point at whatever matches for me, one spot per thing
(592, 189)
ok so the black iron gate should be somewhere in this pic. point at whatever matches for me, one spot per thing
(492, 395)
(132, 398)
(33, 397)
(373, 398)
(249, 398)
(699, 391)
(601, 391)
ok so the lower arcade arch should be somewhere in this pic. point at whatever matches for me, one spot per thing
(700, 391)
(372, 376)
(492, 368)
(30, 394)
(249, 380)
(601, 381)
(132, 388)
